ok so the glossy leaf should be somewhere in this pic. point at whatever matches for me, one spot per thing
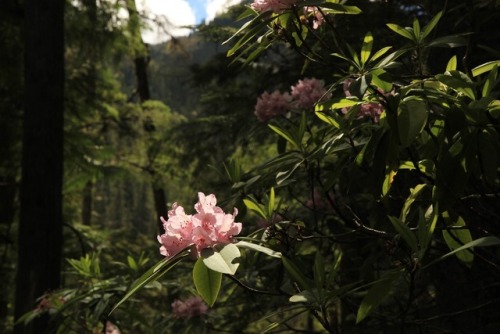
(258, 248)
(459, 82)
(490, 82)
(412, 117)
(401, 31)
(223, 259)
(452, 64)
(207, 282)
(431, 25)
(366, 48)
(483, 68)
(285, 134)
(414, 193)
(251, 204)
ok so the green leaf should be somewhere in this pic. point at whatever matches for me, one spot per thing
(338, 8)
(458, 81)
(405, 232)
(426, 226)
(430, 26)
(401, 31)
(286, 135)
(153, 274)
(345, 103)
(270, 205)
(456, 238)
(296, 273)
(305, 296)
(452, 41)
(381, 52)
(222, 258)
(452, 64)
(207, 282)
(319, 271)
(336, 266)
(490, 82)
(382, 79)
(414, 193)
(483, 68)
(328, 119)
(412, 117)
(258, 248)
(366, 48)
(377, 293)
(416, 29)
(251, 204)
(481, 242)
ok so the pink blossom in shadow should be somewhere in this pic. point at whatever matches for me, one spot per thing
(271, 105)
(307, 92)
(189, 308)
(275, 6)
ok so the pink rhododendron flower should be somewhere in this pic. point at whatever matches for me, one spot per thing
(208, 227)
(271, 105)
(308, 92)
(318, 18)
(369, 109)
(276, 6)
(191, 307)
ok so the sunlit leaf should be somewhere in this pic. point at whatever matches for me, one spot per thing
(223, 259)
(452, 64)
(430, 26)
(483, 68)
(401, 31)
(255, 207)
(258, 248)
(366, 48)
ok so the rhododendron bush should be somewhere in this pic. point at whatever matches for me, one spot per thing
(377, 212)
(377, 165)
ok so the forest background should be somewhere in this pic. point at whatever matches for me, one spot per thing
(101, 133)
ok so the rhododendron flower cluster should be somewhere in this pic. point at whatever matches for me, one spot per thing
(191, 307)
(308, 92)
(304, 94)
(208, 227)
(275, 6)
(271, 105)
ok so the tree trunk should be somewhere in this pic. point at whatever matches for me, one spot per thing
(87, 203)
(141, 60)
(40, 226)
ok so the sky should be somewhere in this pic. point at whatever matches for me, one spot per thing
(178, 13)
